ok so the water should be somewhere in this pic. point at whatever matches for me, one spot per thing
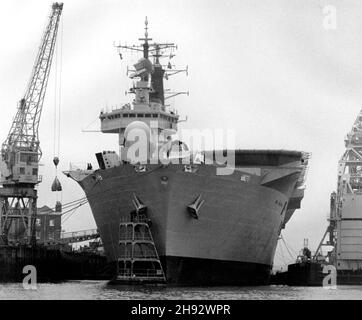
(81, 290)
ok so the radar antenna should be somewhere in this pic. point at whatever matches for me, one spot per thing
(160, 71)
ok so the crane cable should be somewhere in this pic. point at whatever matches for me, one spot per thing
(76, 205)
(295, 253)
(72, 211)
(55, 98)
(60, 94)
(287, 247)
(68, 206)
(56, 187)
(282, 255)
(60, 81)
(58, 91)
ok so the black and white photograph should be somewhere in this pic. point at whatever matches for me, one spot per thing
(186, 150)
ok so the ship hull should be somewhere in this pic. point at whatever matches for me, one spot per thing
(233, 240)
(196, 271)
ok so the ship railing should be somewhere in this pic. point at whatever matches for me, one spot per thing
(305, 168)
(301, 258)
(129, 236)
(126, 236)
(140, 218)
(142, 255)
(127, 107)
(156, 273)
(74, 166)
(143, 237)
(356, 175)
(122, 106)
(82, 233)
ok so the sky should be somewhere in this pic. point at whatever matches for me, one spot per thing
(270, 70)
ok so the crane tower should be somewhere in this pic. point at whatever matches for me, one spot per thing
(20, 152)
(345, 220)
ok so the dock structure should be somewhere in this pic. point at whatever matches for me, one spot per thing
(345, 220)
(138, 260)
(79, 236)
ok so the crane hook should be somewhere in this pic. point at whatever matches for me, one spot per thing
(56, 161)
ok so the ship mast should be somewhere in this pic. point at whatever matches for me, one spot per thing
(157, 51)
(148, 106)
(145, 39)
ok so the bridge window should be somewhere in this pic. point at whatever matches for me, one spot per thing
(155, 115)
(28, 157)
(125, 115)
(147, 115)
(140, 115)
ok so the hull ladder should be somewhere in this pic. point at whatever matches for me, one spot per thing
(138, 260)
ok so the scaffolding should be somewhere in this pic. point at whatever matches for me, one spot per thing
(345, 219)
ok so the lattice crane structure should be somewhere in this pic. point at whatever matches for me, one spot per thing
(20, 152)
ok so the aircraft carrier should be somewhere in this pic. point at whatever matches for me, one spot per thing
(170, 216)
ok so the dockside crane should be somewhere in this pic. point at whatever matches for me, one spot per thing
(20, 152)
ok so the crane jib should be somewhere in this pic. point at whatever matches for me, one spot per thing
(23, 137)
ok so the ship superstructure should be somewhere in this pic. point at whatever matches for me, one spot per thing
(148, 106)
(206, 228)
